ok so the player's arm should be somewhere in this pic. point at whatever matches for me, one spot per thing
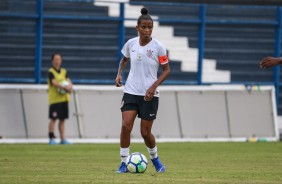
(151, 91)
(53, 81)
(165, 73)
(56, 83)
(122, 64)
(68, 88)
(269, 62)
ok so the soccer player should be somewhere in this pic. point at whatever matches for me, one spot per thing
(58, 98)
(269, 62)
(140, 98)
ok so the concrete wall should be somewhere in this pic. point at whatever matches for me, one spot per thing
(184, 112)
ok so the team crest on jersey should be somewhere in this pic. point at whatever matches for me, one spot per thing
(150, 54)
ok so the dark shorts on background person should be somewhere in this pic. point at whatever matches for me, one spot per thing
(59, 111)
(146, 110)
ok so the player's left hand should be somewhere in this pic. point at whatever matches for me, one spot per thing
(150, 93)
(269, 62)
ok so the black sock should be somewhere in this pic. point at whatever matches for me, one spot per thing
(51, 135)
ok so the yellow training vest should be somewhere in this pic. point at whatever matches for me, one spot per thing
(53, 95)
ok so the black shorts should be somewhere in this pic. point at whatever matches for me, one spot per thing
(59, 111)
(146, 110)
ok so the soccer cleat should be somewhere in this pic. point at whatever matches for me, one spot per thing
(65, 142)
(158, 165)
(52, 142)
(122, 168)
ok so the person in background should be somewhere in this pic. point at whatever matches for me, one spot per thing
(59, 89)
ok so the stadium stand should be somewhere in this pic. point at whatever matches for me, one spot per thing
(178, 46)
(90, 47)
(17, 40)
(237, 48)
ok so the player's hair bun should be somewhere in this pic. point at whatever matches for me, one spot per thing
(144, 11)
(145, 16)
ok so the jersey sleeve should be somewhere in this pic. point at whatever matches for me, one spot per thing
(162, 55)
(50, 77)
(125, 50)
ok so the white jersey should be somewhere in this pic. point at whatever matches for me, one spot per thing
(144, 65)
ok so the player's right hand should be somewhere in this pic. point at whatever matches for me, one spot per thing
(118, 81)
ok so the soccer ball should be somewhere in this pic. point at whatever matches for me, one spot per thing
(137, 163)
(63, 83)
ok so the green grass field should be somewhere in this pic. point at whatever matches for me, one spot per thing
(216, 163)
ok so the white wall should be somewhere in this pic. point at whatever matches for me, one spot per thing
(195, 112)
